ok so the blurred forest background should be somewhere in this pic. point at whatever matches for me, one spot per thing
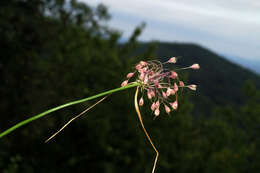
(53, 52)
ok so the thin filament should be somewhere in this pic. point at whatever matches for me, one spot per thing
(142, 124)
(75, 118)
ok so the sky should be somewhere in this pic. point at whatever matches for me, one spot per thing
(228, 27)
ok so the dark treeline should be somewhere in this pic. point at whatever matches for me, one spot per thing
(53, 52)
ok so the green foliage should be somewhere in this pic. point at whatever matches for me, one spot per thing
(56, 51)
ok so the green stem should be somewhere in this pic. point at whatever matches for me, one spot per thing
(22, 123)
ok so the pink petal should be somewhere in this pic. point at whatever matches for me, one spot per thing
(129, 75)
(192, 87)
(167, 109)
(153, 107)
(141, 101)
(169, 91)
(175, 87)
(164, 95)
(181, 83)
(173, 75)
(157, 112)
(157, 104)
(124, 83)
(195, 66)
(143, 63)
(172, 60)
(174, 105)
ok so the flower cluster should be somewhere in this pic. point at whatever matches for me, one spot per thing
(161, 85)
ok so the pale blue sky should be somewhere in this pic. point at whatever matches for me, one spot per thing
(229, 27)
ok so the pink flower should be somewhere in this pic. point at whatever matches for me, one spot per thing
(195, 66)
(175, 87)
(172, 60)
(150, 94)
(160, 83)
(146, 80)
(142, 75)
(181, 83)
(174, 75)
(143, 63)
(124, 83)
(156, 83)
(164, 95)
(141, 101)
(173, 92)
(167, 109)
(157, 104)
(138, 67)
(129, 75)
(153, 107)
(192, 87)
(169, 91)
(174, 105)
(157, 112)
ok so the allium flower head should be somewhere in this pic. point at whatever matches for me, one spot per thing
(160, 84)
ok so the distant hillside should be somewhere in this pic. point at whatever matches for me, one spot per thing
(251, 64)
(219, 80)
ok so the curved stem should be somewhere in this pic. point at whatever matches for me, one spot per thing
(142, 124)
(24, 122)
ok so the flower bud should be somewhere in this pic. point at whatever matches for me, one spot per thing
(181, 83)
(157, 112)
(129, 75)
(167, 109)
(173, 92)
(172, 60)
(192, 87)
(142, 76)
(138, 67)
(150, 94)
(153, 107)
(141, 101)
(173, 75)
(164, 95)
(156, 83)
(157, 104)
(143, 63)
(124, 83)
(175, 87)
(195, 66)
(174, 105)
(146, 80)
(169, 91)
